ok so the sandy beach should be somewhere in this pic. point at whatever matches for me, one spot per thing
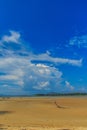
(62, 113)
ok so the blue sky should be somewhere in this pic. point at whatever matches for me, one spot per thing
(43, 46)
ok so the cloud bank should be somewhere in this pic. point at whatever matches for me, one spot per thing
(22, 71)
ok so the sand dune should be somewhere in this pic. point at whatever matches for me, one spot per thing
(43, 113)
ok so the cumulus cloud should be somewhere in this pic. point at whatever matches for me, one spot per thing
(18, 72)
(21, 72)
(79, 41)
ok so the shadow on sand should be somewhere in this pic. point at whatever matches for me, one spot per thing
(1, 127)
(5, 112)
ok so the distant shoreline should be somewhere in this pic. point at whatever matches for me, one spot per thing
(48, 95)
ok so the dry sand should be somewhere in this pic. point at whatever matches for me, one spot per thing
(43, 113)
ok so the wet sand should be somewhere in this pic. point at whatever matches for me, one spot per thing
(64, 113)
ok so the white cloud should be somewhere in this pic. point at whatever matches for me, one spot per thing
(43, 85)
(13, 37)
(45, 57)
(20, 71)
(68, 85)
(9, 77)
(79, 41)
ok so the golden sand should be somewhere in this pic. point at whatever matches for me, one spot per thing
(43, 113)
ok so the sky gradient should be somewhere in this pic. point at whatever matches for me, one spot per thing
(43, 46)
